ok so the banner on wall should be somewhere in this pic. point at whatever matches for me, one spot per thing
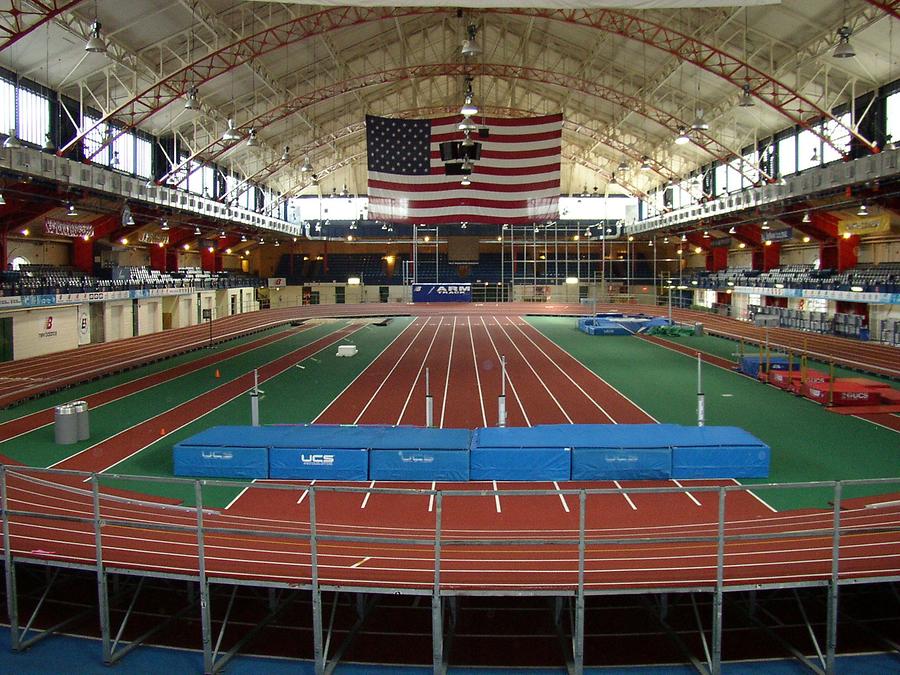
(65, 228)
(880, 224)
(154, 238)
(778, 235)
(277, 282)
(442, 293)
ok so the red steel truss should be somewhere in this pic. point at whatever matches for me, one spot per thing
(20, 18)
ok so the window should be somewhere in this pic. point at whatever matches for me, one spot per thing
(34, 117)
(892, 112)
(8, 106)
(787, 155)
(123, 152)
(839, 133)
(94, 138)
(751, 169)
(733, 175)
(143, 165)
(809, 150)
(721, 178)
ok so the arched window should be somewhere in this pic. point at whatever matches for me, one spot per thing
(18, 261)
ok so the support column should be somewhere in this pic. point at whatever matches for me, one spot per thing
(847, 252)
(102, 586)
(158, 256)
(171, 260)
(717, 259)
(83, 255)
(207, 259)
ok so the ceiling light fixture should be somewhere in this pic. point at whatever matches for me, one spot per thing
(231, 133)
(806, 217)
(307, 166)
(843, 49)
(683, 237)
(699, 124)
(251, 138)
(192, 99)
(645, 163)
(465, 182)
(197, 231)
(164, 225)
(344, 191)
(222, 234)
(731, 230)
(623, 166)
(71, 210)
(95, 43)
(286, 155)
(862, 210)
(469, 45)
(682, 138)
(243, 237)
(49, 145)
(746, 100)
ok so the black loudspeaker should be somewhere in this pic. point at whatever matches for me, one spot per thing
(484, 132)
(450, 151)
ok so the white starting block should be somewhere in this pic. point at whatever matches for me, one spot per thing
(347, 350)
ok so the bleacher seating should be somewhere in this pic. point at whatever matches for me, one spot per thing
(879, 278)
(51, 279)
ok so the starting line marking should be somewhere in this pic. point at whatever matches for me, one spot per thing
(496, 496)
(690, 496)
(368, 494)
(306, 492)
(625, 494)
(757, 497)
(562, 497)
(239, 495)
(359, 563)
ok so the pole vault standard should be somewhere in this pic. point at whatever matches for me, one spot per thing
(254, 399)
(429, 403)
(501, 400)
(700, 402)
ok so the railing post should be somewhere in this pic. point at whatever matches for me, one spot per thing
(12, 601)
(437, 618)
(102, 586)
(205, 620)
(318, 648)
(832, 616)
(578, 638)
(716, 666)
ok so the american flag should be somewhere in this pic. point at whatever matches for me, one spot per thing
(516, 180)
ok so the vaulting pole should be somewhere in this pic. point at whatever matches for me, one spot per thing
(501, 400)
(429, 403)
(700, 398)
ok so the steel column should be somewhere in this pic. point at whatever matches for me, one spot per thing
(831, 626)
(204, 585)
(715, 666)
(437, 619)
(12, 602)
(318, 648)
(102, 586)
(578, 638)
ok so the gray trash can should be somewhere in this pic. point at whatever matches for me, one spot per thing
(65, 425)
(698, 329)
(83, 422)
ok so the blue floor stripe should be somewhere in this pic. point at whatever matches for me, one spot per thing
(62, 654)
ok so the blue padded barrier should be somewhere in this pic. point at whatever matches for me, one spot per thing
(491, 463)
(621, 463)
(319, 463)
(213, 461)
(718, 452)
(750, 364)
(419, 464)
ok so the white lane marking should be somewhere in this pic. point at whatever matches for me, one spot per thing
(689, 495)
(239, 495)
(415, 381)
(560, 369)
(368, 494)
(361, 562)
(431, 498)
(496, 496)
(390, 372)
(477, 374)
(757, 497)
(625, 494)
(562, 497)
(363, 371)
(877, 424)
(447, 378)
(512, 387)
(306, 492)
(534, 372)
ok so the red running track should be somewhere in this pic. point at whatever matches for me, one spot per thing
(263, 535)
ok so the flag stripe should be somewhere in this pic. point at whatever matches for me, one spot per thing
(515, 179)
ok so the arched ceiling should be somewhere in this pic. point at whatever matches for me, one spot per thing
(306, 76)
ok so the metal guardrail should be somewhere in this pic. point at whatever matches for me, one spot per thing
(98, 515)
